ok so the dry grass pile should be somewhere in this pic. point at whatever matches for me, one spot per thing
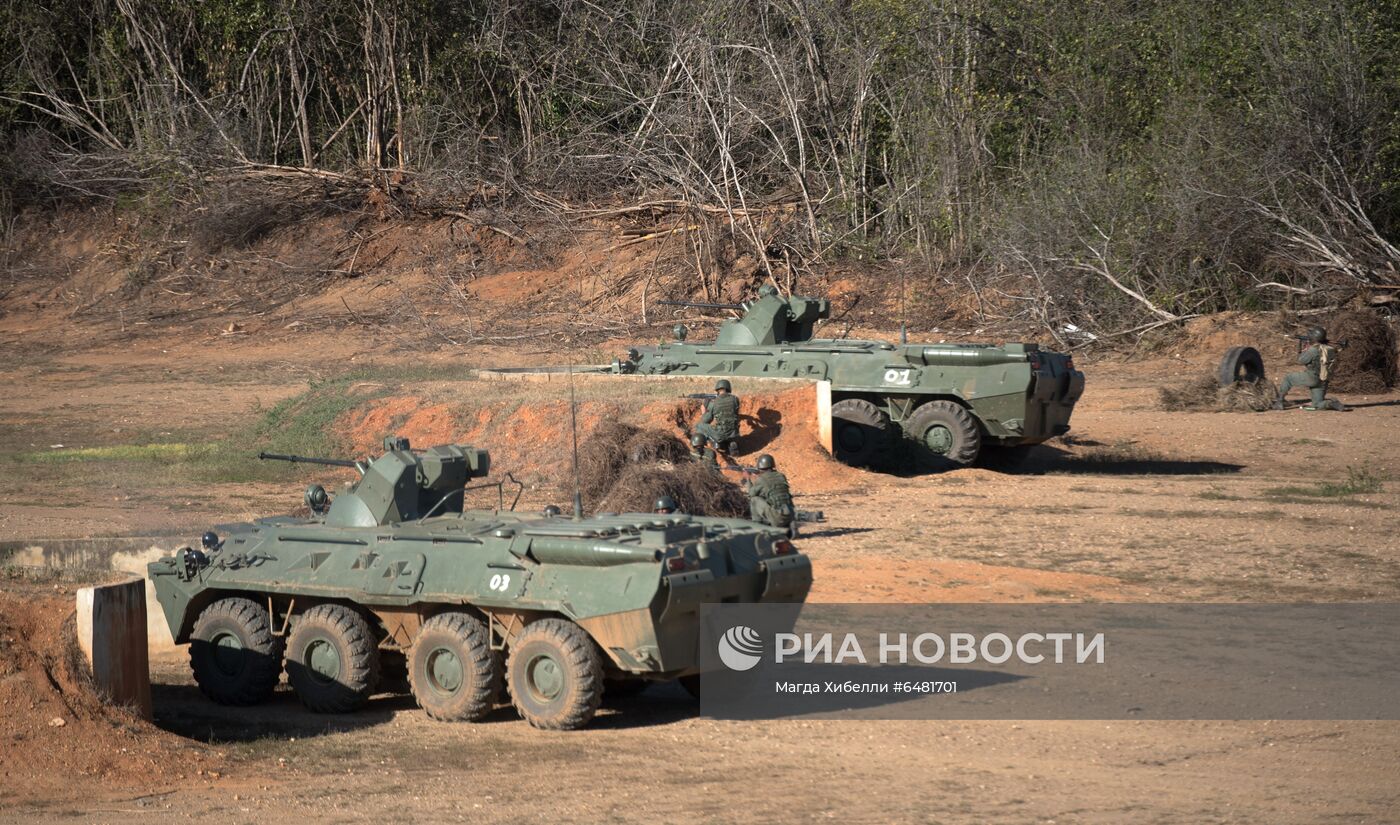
(624, 469)
(1368, 362)
(697, 490)
(601, 457)
(1204, 393)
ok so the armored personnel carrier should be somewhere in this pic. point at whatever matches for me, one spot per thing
(393, 569)
(953, 399)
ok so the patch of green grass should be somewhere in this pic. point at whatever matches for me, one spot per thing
(120, 452)
(1217, 495)
(1359, 481)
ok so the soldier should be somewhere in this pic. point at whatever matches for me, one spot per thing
(664, 506)
(550, 511)
(703, 452)
(1319, 360)
(720, 423)
(770, 501)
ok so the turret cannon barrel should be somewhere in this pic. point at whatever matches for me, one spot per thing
(301, 459)
(701, 305)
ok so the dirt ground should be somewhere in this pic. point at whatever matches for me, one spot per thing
(1136, 505)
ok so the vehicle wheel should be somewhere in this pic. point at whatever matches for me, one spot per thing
(859, 430)
(235, 658)
(454, 674)
(332, 658)
(556, 679)
(1241, 364)
(947, 430)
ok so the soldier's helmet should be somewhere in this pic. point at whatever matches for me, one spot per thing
(1317, 335)
(765, 462)
(697, 440)
(665, 504)
(550, 511)
(317, 501)
(766, 290)
(723, 384)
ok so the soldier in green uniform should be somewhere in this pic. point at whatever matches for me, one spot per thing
(1318, 361)
(664, 506)
(770, 500)
(720, 423)
(701, 450)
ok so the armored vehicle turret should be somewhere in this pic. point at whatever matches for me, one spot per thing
(953, 399)
(395, 569)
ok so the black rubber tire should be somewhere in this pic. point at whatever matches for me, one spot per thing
(959, 439)
(859, 431)
(334, 638)
(1241, 364)
(235, 658)
(555, 675)
(466, 691)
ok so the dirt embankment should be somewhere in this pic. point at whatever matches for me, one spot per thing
(57, 737)
(532, 439)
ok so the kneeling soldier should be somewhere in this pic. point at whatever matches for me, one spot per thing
(720, 423)
(1318, 360)
(770, 500)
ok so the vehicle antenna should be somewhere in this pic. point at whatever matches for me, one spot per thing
(573, 434)
(903, 330)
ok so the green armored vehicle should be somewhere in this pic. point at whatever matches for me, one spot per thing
(954, 399)
(393, 571)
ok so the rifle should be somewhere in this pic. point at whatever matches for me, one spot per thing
(750, 471)
(809, 516)
(701, 396)
(1304, 342)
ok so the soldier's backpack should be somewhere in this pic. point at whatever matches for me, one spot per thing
(1326, 357)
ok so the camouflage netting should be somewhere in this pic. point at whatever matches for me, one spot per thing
(623, 469)
(1368, 363)
(696, 489)
(1205, 393)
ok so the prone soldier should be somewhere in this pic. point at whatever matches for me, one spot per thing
(702, 452)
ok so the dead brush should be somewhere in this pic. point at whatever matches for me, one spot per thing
(696, 489)
(624, 469)
(1204, 394)
(1368, 362)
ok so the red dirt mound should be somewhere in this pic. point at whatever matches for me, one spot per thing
(532, 440)
(58, 739)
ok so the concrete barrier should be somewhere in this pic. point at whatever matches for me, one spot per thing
(124, 554)
(112, 636)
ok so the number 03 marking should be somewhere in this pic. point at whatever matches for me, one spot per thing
(900, 377)
(500, 582)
